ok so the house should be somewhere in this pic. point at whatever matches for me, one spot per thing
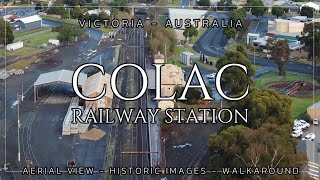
(14, 46)
(93, 88)
(171, 76)
(98, 11)
(293, 7)
(28, 23)
(185, 58)
(313, 5)
(165, 104)
(239, 2)
(158, 58)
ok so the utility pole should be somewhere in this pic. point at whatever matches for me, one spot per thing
(254, 54)
(165, 52)
(18, 126)
(22, 97)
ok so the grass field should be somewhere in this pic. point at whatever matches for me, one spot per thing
(37, 37)
(75, 22)
(32, 41)
(299, 105)
(274, 77)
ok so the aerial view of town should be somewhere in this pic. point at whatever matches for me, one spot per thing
(159, 89)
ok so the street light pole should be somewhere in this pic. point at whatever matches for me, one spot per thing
(254, 55)
(18, 126)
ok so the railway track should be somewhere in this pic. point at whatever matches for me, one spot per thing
(26, 132)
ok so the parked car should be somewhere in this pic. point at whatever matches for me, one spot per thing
(296, 133)
(300, 126)
(309, 137)
(301, 121)
(316, 122)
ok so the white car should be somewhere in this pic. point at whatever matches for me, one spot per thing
(299, 126)
(309, 137)
(303, 122)
(316, 122)
(295, 135)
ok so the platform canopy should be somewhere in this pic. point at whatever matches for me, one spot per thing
(63, 76)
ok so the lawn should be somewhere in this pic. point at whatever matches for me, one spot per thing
(36, 38)
(299, 105)
(75, 22)
(274, 77)
(22, 52)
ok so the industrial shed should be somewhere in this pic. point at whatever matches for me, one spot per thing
(28, 23)
(94, 86)
(61, 76)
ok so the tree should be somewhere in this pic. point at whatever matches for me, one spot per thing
(268, 146)
(57, 8)
(280, 53)
(193, 96)
(238, 14)
(38, 7)
(190, 32)
(6, 34)
(204, 3)
(307, 11)
(257, 7)
(265, 106)
(311, 38)
(278, 11)
(161, 38)
(242, 49)
(68, 33)
(76, 12)
(103, 16)
(235, 80)
(230, 32)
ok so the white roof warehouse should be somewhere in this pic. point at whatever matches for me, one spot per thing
(30, 22)
(183, 14)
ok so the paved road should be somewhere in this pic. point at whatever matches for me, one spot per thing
(212, 43)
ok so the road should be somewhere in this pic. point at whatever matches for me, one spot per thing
(213, 41)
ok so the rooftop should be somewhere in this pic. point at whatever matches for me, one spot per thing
(158, 56)
(95, 84)
(30, 19)
(64, 76)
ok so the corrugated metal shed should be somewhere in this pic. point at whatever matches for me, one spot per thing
(30, 19)
(64, 76)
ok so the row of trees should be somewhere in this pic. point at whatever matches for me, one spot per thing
(161, 39)
(262, 142)
(239, 14)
